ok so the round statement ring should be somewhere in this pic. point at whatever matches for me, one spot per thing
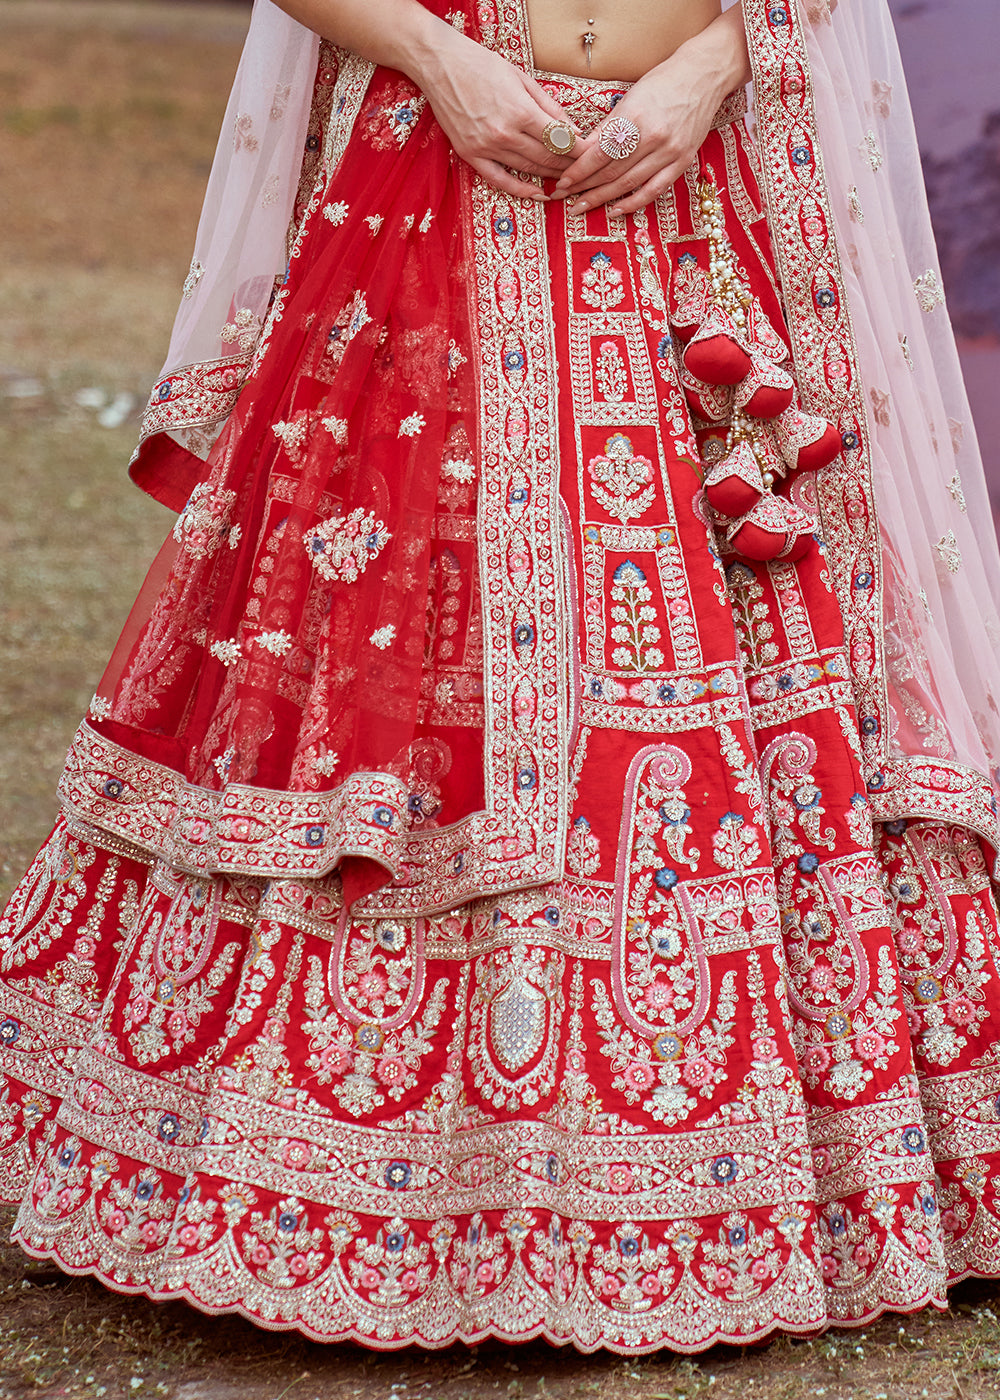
(619, 138)
(559, 138)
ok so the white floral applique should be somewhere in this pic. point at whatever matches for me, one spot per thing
(326, 763)
(341, 549)
(854, 208)
(294, 433)
(461, 469)
(382, 636)
(374, 222)
(425, 222)
(412, 426)
(336, 213)
(228, 652)
(337, 428)
(951, 555)
(195, 273)
(929, 290)
(277, 643)
(870, 148)
(957, 494)
(100, 707)
(242, 330)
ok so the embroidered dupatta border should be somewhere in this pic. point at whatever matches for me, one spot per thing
(800, 215)
(204, 394)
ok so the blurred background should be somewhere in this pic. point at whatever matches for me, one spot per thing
(109, 113)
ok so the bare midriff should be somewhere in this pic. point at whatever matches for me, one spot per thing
(629, 36)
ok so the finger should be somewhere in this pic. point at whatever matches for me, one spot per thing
(527, 152)
(621, 186)
(586, 165)
(500, 178)
(646, 193)
(548, 104)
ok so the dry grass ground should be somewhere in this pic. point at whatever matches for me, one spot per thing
(108, 115)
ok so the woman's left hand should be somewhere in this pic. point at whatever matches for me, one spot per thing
(673, 106)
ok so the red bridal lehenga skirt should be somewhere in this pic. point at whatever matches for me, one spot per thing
(736, 1069)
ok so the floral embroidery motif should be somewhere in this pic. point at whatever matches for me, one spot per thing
(336, 213)
(951, 555)
(929, 290)
(413, 425)
(610, 375)
(277, 643)
(337, 428)
(203, 525)
(871, 149)
(243, 134)
(228, 652)
(350, 321)
(244, 330)
(956, 492)
(392, 122)
(583, 850)
(634, 626)
(342, 548)
(602, 283)
(620, 480)
(382, 636)
(195, 273)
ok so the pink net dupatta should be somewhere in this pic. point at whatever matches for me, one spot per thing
(269, 711)
(240, 250)
(913, 553)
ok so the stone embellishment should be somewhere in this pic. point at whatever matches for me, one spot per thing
(341, 549)
(949, 551)
(619, 138)
(929, 290)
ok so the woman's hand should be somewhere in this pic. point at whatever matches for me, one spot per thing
(673, 106)
(493, 114)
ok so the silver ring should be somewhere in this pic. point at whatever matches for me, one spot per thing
(559, 138)
(619, 138)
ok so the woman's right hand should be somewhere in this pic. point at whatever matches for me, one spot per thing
(492, 113)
